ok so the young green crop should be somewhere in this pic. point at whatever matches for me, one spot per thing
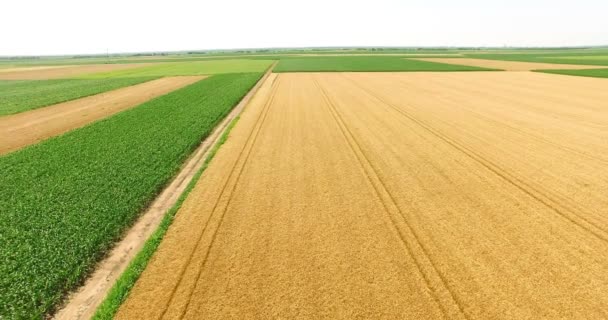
(189, 68)
(595, 73)
(364, 64)
(66, 200)
(600, 57)
(121, 289)
(22, 95)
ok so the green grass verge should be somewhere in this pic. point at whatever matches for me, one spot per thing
(364, 64)
(66, 200)
(595, 73)
(121, 289)
(22, 95)
(188, 68)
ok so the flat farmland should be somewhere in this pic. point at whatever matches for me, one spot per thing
(594, 57)
(396, 195)
(584, 57)
(595, 73)
(375, 63)
(508, 65)
(58, 72)
(188, 68)
(25, 128)
(66, 200)
(24, 95)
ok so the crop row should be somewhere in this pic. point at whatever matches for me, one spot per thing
(66, 200)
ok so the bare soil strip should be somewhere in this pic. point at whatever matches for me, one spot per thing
(25, 128)
(20, 69)
(508, 65)
(57, 72)
(84, 302)
(405, 195)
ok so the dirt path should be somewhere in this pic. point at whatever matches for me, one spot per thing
(25, 128)
(411, 195)
(21, 69)
(57, 72)
(509, 65)
(84, 302)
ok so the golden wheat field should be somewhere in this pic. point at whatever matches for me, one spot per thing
(396, 196)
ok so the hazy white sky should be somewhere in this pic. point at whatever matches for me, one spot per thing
(37, 27)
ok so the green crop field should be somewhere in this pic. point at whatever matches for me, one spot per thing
(22, 95)
(596, 57)
(531, 55)
(363, 64)
(189, 68)
(266, 54)
(595, 73)
(599, 57)
(67, 199)
(120, 60)
(121, 289)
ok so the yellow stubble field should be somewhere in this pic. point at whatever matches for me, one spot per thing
(397, 195)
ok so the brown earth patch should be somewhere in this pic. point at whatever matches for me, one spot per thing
(25, 128)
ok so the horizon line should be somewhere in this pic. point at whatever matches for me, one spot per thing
(261, 49)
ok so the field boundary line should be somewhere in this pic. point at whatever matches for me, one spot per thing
(84, 301)
(380, 188)
(256, 128)
(555, 205)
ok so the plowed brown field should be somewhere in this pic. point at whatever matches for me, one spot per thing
(509, 65)
(56, 72)
(22, 129)
(397, 196)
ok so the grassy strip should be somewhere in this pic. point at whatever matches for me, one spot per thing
(188, 68)
(22, 95)
(66, 200)
(364, 64)
(121, 289)
(595, 73)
